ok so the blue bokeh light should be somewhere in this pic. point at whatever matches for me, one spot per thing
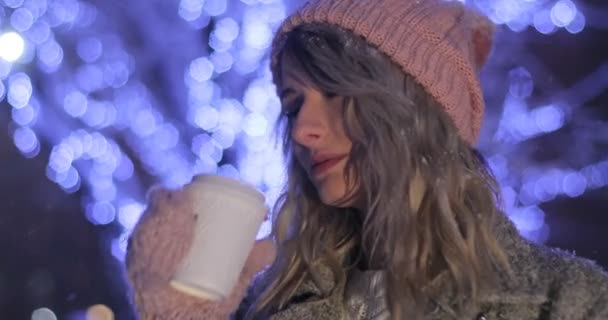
(255, 124)
(225, 136)
(89, 78)
(166, 137)
(124, 170)
(19, 90)
(144, 123)
(101, 213)
(226, 29)
(75, 104)
(26, 141)
(62, 11)
(548, 118)
(22, 19)
(528, 218)
(229, 171)
(36, 7)
(215, 7)
(563, 13)
(25, 116)
(203, 144)
(543, 23)
(70, 181)
(222, 61)
(190, 10)
(521, 83)
(89, 49)
(574, 184)
(129, 212)
(206, 117)
(39, 32)
(578, 23)
(50, 55)
(13, 3)
(201, 69)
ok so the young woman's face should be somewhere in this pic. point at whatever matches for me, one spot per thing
(320, 143)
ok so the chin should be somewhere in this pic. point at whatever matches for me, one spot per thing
(332, 196)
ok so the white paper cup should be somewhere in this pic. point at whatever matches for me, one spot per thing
(229, 216)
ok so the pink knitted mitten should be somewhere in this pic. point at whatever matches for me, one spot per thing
(158, 244)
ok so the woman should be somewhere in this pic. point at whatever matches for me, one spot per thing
(389, 212)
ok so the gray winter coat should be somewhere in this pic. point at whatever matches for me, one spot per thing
(547, 284)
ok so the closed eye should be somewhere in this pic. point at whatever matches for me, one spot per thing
(293, 108)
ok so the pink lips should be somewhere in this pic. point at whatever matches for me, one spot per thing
(325, 165)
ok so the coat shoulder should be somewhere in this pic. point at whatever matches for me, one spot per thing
(566, 268)
(575, 287)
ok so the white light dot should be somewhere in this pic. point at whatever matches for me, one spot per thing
(206, 117)
(19, 90)
(255, 124)
(43, 314)
(225, 136)
(99, 312)
(129, 213)
(201, 69)
(227, 29)
(256, 98)
(258, 35)
(11, 46)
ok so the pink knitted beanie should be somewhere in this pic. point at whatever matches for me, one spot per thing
(441, 44)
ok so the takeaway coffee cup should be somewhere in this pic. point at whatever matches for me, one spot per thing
(229, 216)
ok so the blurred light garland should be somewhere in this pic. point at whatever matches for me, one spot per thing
(180, 88)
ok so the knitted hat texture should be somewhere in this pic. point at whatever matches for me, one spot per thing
(441, 44)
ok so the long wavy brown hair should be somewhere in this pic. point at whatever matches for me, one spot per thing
(429, 200)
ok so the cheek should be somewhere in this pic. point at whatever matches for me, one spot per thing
(298, 154)
(333, 189)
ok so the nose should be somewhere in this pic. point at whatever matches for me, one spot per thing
(308, 128)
